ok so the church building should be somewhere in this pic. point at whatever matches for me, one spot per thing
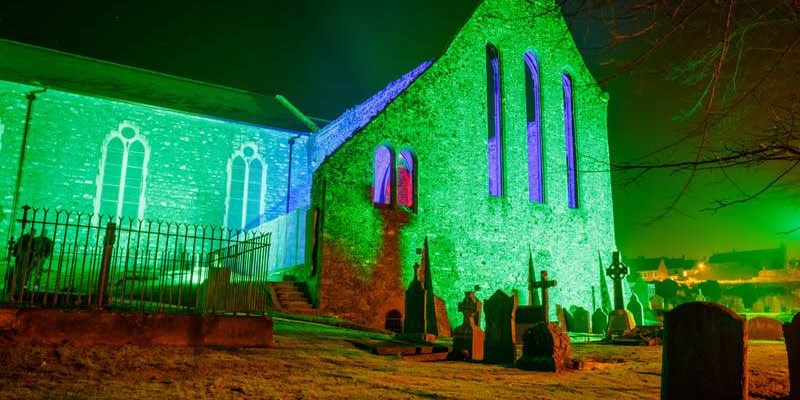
(495, 150)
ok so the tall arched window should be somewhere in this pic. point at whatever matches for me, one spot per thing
(406, 179)
(569, 140)
(382, 175)
(123, 172)
(246, 189)
(495, 111)
(534, 131)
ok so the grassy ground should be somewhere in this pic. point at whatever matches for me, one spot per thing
(313, 361)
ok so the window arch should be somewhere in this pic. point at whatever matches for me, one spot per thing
(569, 140)
(406, 179)
(121, 181)
(382, 175)
(246, 188)
(533, 129)
(495, 111)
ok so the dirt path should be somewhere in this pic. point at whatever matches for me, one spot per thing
(312, 361)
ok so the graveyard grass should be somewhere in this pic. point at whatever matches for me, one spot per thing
(315, 361)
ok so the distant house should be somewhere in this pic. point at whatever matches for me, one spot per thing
(738, 265)
(661, 268)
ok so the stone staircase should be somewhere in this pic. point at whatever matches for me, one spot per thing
(291, 298)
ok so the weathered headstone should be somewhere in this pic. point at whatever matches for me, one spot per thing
(704, 355)
(791, 332)
(545, 348)
(599, 321)
(581, 320)
(525, 318)
(545, 345)
(636, 308)
(764, 328)
(468, 338)
(564, 318)
(499, 346)
(420, 319)
(621, 320)
(656, 302)
(443, 327)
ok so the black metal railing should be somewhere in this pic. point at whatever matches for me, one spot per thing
(68, 259)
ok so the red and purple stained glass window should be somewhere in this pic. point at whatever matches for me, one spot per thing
(569, 140)
(534, 131)
(405, 179)
(382, 176)
(494, 106)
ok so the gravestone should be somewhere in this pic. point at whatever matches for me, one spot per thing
(442, 319)
(499, 346)
(545, 345)
(704, 355)
(656, 302)
(468, 338)
(564, 318)
(420, 318)
(599, 321)
(525, 318)
(546, 348)
(764, 328)
(636, 308)
(620, 320)
(791, 332)
(581, 320)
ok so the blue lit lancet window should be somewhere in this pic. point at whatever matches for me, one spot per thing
(382, 175)
(495, 111)
(569, 140)
(534, 130)
(246, 188)
(123, 172)
(406, 179)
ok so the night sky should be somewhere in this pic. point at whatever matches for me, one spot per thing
(326, 56)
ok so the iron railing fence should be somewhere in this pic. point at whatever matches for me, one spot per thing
(68, 259)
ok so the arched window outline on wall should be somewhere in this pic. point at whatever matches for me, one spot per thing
(569, 141)
(382, 175)
(406, 179)
(246, 188)
(534, 129)
(122, 173)
(494, 104)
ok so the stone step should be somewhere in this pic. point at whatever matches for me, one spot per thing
(287, 298)
(277, 285)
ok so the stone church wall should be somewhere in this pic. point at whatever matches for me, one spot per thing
(187, 176)
(368, 252)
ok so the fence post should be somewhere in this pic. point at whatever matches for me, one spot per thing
(105, 267)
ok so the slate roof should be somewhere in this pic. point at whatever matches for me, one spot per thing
(753, 259)
(38, 66)
(651, 264)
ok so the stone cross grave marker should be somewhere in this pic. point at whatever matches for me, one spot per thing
(620, 321)
(599, 321)
(420, 320)
(468, 338)
(544, 284)
(705, 354)
(637, 309)
(499, 346)
(791, 332)
(581, 320)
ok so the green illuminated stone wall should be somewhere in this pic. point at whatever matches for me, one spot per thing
(368, 252)
(187, 174)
